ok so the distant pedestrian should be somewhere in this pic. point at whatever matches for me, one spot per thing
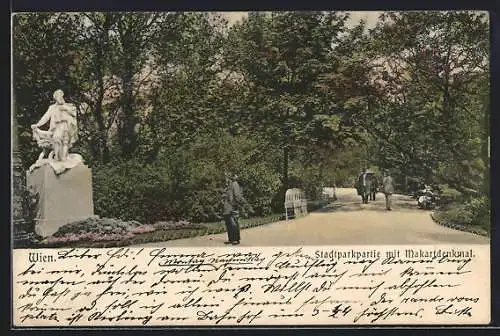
(232, 199)
(360, 182)
(388, 188)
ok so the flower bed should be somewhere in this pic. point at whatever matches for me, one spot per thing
(106, 232)
(438, 218)
(179, 225)
(96, 229)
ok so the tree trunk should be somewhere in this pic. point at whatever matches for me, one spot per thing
(285, 166)
(127, 132)
(101, 133)
(102, 146)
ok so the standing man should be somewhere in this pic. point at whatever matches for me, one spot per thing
(233, 199)
(388, 185)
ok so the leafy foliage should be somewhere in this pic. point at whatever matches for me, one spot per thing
(431, 122)
(168, 101)
(473, 215)
(177, 187)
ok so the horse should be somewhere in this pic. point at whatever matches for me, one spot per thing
(367, 187)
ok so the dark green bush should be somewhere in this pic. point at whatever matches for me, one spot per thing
(132, 190)
(480, 209)
(308, 179)
(458, 214)
(473, 214)
(185, 182)
(449, 195)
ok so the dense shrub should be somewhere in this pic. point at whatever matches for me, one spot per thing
(132, 190)
(309, 177)
(457, 214)
(449, 195)
(473, 214)
(310, 181)
(186, 182)
(469, 173)
(259, 186)
(480, 209)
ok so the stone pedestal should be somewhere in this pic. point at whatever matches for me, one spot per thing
(63, 198)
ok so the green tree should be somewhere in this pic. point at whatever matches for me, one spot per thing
(282, 55)
(94, 72)
(135, 33)
(187, 99)
(45, 50)
(431, 66)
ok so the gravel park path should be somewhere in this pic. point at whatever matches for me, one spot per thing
(346, 222)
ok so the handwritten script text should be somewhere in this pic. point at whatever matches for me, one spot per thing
(251, 286)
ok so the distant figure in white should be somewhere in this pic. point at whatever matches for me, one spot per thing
(388, 188)
(60, 136)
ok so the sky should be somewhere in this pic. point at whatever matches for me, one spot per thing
(370, 17)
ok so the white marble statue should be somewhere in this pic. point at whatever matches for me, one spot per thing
(60, 136)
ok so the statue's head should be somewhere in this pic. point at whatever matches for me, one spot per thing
(59, 96)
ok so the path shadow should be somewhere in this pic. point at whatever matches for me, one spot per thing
(351, 206)
(399, 204)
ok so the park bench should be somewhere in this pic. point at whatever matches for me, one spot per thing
(295, 203)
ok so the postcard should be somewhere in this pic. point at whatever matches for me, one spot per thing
(250, 169)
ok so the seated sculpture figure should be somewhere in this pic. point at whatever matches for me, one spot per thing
(60, 136)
